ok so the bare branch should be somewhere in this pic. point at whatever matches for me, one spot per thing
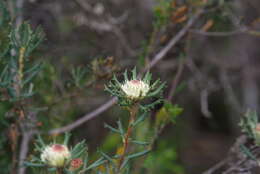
(16, 8)
(174, 40)
(219, 34)
(232, 98)
(104, 23)
(204, 103)
(85, 118)
(216, 166)
(176, 80)
(84, 5)
(27, 136)
(237, 162)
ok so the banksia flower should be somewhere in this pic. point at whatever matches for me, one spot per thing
(55, 155)
(58, 157)
(135, 89)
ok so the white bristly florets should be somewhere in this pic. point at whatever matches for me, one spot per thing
(55, 155)
(135, 89)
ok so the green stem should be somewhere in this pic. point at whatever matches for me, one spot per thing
(133, 111)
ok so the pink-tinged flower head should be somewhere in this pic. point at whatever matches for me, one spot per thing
(55, 155)
(76, 163)
(135, 89)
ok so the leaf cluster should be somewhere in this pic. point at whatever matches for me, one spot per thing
(122, 132)
(162, 12)
(16, 46)
(248, 124)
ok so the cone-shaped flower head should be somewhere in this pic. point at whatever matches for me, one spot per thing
(135, 89)
(55, 155)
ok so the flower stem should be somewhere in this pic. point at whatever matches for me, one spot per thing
(59, 171)
(133, 111)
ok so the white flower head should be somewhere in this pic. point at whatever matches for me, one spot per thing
(135, 89)
(55, 155)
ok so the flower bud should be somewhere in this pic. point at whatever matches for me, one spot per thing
(55, 155)
(76, 164)
(135, 89)
(257, 134)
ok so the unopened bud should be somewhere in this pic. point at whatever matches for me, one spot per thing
(76, 164)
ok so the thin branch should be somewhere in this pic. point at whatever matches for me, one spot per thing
(26, 138)
(216, 166)
(84, 5)
(236, 161)
(174, 40)
(204, 103)
(18, 12)
(119, 34)
(219, 34)
(176, 80)
(106, 24)
(230, 93)
(85, 118)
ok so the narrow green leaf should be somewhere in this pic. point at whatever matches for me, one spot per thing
(29, 164)
(247, 152)
(117, 82)
(138, 154)
(147, 78)
(126, 75)
(67, 138)
(134, 74)
(79, 149)
(157, 91)
(140, 142)
(95, 164)
(30, 76)
(111, 128)
(140, 119)
(40, 141)
(124, 164)
(107, 157)
(52, 169)
(120, 127)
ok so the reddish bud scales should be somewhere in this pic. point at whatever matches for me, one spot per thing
(76, 163)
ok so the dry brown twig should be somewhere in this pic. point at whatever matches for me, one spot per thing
(104, 23)
(236, 161)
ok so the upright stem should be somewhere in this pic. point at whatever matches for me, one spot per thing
(59, 171)
(133, 111)
(21, 113)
